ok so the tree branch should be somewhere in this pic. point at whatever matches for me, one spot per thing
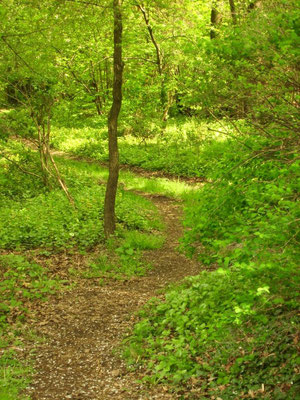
(19, 167)
(18, 55)
(150, 30)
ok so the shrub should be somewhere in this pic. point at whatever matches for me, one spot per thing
(227, 331)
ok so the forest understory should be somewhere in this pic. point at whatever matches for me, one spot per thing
(83, 327)
(149, 199)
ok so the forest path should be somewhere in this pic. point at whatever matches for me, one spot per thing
(83, 326)
(138, 170)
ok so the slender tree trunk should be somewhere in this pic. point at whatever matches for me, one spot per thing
(164, 96)
(96, 87)
(233, 11)
(153, 40)
(112, 183)
(43, 158)
(48, 165)
(215, 21)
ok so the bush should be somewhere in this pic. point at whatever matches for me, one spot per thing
(226, 332)
(249, 213)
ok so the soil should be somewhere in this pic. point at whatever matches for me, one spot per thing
(84, 326)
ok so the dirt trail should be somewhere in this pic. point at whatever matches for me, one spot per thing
(76, 360)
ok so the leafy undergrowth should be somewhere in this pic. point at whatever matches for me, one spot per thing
(14, 376)
(122, 259)
(227, 333)
(22, 284)
(183, 139)
(232, 332)
(46, 219)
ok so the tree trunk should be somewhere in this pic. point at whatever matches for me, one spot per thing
(112, 183)
(48, 165)
(159, 62)
(233, 11)
(153, 40)
(215, 20)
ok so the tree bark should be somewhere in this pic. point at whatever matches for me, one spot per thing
(215, 20)
(233, 11)
(153, 40)
(112, 183)
(164, 97)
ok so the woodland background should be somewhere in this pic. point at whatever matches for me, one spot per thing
(210, 101)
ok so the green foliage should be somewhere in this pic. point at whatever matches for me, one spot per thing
(13, 377)
(46, 219)
(249, 213)
(124, 258)
(17, 185)
(49, 221)
(231, 330)
(231, 333)
(21, 282)
(124, 263)
(131, 181)
(182, 140)
(136, 212)
(82, 141)
(16, 122)
(143, 241)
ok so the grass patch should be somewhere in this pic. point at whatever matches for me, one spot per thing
(123, 258)
(143, 241)
(14, 376)
(128, 180)
(125, 264)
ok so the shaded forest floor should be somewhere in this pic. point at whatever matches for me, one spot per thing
(83, 327)
(74, 338)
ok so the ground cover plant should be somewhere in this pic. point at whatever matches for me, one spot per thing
(198, 102)
(227, 333)
(22, 284)
(224, 333)
(130, 181)
(182, 139)
(44, 220)
(14, 376)
(232, 332)
(47, 219)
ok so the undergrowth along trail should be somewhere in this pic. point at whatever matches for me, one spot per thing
(82, 327)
